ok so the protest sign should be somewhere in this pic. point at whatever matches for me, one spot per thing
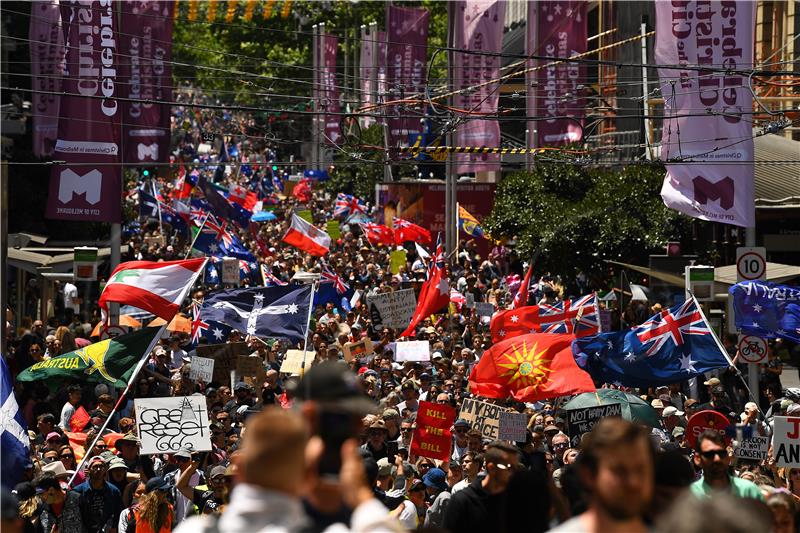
(412, 351)
(483, 416)
(484, 308)
(224, 356)
(703, 420)
(786, 441)
(165, 425)
(306, 215)
(753, 448)
(513, 426)
(359, 349)
(580, 421)
(202, 368)
(470, 300)
(332, 228)
(230, 271)
(293, 361)
(432, 436)
(392, 309)
(155, 241)
(249, 366)
(398, 259)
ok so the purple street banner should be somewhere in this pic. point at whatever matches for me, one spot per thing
(88, 185)
(717, 35)
(330, 91)
(367, 74)
(478, 28)
(562, 33)
(47, 64)
(407, 63)
(145, 62)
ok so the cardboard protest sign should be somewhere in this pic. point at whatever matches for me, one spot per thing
(786, 441)
(352, 350)
(753, 448)
(419, 351)
(484, 308)
(165, 425)
(202, 368)
(155, 241)
(230, 271)
(398, 259)
(392, 309)
(224, 356)
(482, 416)
(580, 421)
(703, 420)
(249, 366)
(513, 426)
(293, 361)
(432, 436)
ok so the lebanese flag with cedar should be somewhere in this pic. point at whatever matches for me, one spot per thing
(155, 287)
(307, 237)
(378, 233)
(434, 294)
(529, 368)
(408, 231)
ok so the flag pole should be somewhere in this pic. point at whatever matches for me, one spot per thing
(308, 327)
(158, 206)
(199, 231)
(724, 352)
(133, 377)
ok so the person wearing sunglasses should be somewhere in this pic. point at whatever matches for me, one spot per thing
(460, 440)
(711, 454)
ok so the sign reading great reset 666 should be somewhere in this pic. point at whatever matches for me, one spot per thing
(87, 186)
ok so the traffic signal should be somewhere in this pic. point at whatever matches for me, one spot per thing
(146, 173)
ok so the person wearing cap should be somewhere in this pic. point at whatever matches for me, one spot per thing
(118, 473)
(377, 444)
(57, 470)
(410, 391)
(182, 503)
(438, 494)
(101, 502)
(460, 441)
(208, 499)
(391, 417)
(719, 402)
(152, 513)
(412, 511)
(159, 374)
(128, 449)
(59, 509)
(242, 395)
(671, 418)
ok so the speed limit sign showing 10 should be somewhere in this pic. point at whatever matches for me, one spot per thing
(752, 349)
(751, 263)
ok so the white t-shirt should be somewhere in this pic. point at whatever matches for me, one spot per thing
(408, 516)
(70, 295)
(177, 357)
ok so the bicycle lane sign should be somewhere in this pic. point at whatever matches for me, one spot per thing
(752, 349)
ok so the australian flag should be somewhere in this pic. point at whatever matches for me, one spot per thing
(673, 346)
(262, 311)
(14, 444)
(767, 310)
(149, 207)
(207, 331)
(217, 239)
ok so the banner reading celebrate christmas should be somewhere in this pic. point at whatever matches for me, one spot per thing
(47, 64)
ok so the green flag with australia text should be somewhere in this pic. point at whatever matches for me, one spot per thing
(110, 361)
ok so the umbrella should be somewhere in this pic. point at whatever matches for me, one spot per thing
(179, 324)
(633, 408)
(639, 293)
(124, 320)
(263, 216)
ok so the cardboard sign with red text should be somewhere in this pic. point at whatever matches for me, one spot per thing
(432, 436)
(703, 420)
(786, 441)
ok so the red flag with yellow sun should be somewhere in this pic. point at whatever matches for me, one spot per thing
(529, 368)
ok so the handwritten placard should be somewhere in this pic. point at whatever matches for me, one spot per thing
(392, 309)
(202, 369)
(359, 349)
(165, 425)
(224, 356)
(293, 361)
(419, 351)
(513, 426)
(483, 416)
(753, 448)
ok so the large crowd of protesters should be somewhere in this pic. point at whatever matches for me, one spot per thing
(271, 467)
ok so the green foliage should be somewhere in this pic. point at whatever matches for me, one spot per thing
(578, 216)
(359, 178)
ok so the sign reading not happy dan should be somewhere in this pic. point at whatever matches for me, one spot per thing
(432, 435)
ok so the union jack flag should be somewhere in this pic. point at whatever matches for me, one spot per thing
(219, 230)
(348, 205)
(328, 276)
(671, 326)
(270, 280)
(198, 326)
(437, 259)
(571, 316)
